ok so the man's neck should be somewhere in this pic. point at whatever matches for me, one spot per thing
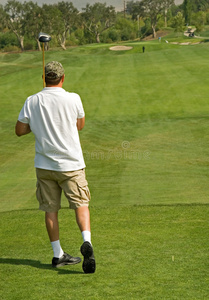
(59, 85)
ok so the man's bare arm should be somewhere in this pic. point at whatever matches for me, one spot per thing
(80, 123)
(22, 128)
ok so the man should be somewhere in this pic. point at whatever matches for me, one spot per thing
(55, 116)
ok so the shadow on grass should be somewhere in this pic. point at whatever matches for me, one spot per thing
(36, 264)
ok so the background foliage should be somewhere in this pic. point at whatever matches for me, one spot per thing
(95, 23)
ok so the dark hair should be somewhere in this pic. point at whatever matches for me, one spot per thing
(52, 81)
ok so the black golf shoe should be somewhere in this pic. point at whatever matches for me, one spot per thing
(89, 264)
(66, 259)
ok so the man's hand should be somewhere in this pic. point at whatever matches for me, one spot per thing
(22, 128)
(80, 123)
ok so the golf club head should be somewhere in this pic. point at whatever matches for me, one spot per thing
(44, 37)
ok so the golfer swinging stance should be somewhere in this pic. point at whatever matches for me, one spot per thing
(55, 116)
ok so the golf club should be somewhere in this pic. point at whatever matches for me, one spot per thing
(43, 38)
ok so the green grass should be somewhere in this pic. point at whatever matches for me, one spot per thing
(143, 252)
(146, 148)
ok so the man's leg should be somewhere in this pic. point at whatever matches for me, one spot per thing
(83, 218)
(60, 258)
(52, 226)
(49, 196)
(76, 190)
(83, 221)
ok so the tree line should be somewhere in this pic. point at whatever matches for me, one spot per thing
(20, 23)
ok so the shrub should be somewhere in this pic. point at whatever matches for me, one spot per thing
(11, 48)
(126, 28)
(29, 45)
(110, 35)
(114, 35)
(147, 28)
(8, 39)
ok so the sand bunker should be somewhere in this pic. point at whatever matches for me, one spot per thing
(120, 48)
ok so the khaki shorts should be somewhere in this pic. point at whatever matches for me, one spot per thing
(50, 185)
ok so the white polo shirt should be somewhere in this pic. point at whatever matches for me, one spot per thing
(52, 115)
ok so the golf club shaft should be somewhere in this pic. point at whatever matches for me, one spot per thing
(43, 68)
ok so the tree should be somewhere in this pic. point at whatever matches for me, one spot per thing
(2, 17)
(199, 19)
(53, 21)
(179, 22)
(193, 6)
(15, 19)
(98, 18)
(126, 28)
(187, 7)
(33, 21)
(134, 9)
(199, 5)
(153, 10)
(69, 19)
(202, 5)
(167, 4)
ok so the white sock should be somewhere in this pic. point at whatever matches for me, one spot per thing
(58, 252)
(86, 236)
